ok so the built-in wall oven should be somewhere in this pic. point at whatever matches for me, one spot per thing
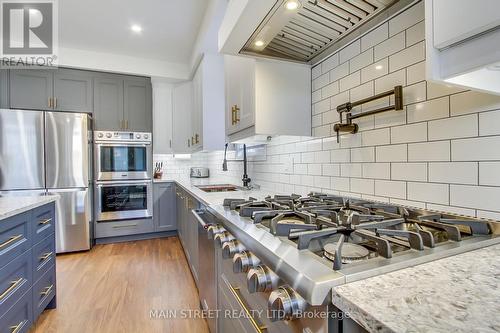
(123, 155)
(123, 187)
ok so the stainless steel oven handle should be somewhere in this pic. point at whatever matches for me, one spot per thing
(123, 182)
(196, 213)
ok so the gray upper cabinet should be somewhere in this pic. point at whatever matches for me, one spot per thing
(108, 103)
(138, 110)
(164, 207)
(4, 89)
(73, 91)
(31, 89)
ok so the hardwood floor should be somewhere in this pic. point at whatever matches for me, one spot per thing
(113, 287)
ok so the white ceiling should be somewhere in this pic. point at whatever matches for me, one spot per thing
(170, 27)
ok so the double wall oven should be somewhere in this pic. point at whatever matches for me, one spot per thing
(123, 169)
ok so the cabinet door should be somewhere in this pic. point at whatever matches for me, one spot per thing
(4, 89)
(182, 112)
(240, 93)
(197, 120)
(164, 214)
(192, 224)
(138, 104)
(108, 103)
(73, 91)
(31, 89)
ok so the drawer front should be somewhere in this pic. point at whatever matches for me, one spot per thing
(43, 222)
(15, 280)
(123, 228)
(44, 291)
(15, 237)
(44, 256)
(20, 317)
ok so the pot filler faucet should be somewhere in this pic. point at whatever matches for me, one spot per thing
(246, 180)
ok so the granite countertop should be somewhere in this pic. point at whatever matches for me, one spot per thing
(213, 198)
(10, 206)
(455, 294)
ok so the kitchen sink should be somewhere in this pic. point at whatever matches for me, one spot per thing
(218, 188)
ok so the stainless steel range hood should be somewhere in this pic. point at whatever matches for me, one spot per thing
(303, 31)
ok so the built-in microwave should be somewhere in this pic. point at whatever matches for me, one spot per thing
(122, 155)
(118, 200)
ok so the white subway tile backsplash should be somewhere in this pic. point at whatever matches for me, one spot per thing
(388, 82)
(388, 188)
(339, 99)
(341, 156)
(407, 18)
(409, 133)
(389, 46)
(415, 93)
(454, 127)
(366, 154)
(316, 72)
(390, 118)
(478, 197)
(320, 82)
(375, 37)
(453, 210)
(362, 91)
(316, 96)
(409, 171)
(361, 60)
(393, 153)
(366, 186)
(489, 123)
(433, 109)
(322, 131)
(408, 203)
(416, 73)
(415, 34)
(316, 120)
(330, 63)
(339, 72)
(350, 170)
(429, 151)
(330, 143)
(300, 169)
(407, 57)
(489, 173)
(473, 101)
(429, 192)
(322, 181)
(376, 137)
(377, 170)
(314, 169)
(330, 90)
(322, 157)
(350, 140)
(340, 184)
(454, 173)
(329, 117)
(476, 149)
(350, 51)
(331, 169)
(378, 69)
(322, 106)
(350, 81)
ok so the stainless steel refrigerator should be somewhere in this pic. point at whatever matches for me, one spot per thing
(43, 153)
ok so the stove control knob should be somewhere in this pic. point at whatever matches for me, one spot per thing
(137, 136)
(146, 136)
(229, 249)
(108, 135)
(100, 135)
(213, 230)
(285, 304)
(261, 279)
(243, 261)
(223, 237)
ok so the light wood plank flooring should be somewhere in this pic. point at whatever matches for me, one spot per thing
(113, 287)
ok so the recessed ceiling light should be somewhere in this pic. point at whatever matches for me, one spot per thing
(259, 43)
(292, 4)
(136, 28)
(379, 67)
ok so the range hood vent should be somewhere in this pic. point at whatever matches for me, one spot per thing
(303, 33)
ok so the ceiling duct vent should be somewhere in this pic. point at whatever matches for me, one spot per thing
(300, 30)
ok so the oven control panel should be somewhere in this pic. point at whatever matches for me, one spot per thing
(122, 136)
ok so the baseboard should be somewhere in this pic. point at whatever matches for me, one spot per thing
(130, 238)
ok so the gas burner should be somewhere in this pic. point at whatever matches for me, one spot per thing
(283, 198)
(283, 223)
(248, 208)
(349, 253)
(233, 204)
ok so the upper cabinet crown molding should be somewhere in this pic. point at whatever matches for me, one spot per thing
(462, 43)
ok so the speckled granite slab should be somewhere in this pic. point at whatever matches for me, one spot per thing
(10, 206)
(455, 294)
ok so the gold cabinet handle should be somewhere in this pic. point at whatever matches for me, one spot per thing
(45, 256)
(47, 290)
(13, 286)
(236, 116)
(197, 138)
(10, 240)
(17, 328)
(233, 116)
(43, 222)
(126, 124)
(55, 102)
(235, 291)
(49, 102)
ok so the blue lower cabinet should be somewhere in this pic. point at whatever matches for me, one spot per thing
(44, 291)
(19, 317)
(15, 237)
(15, 280)
(43, 222)
(44, 257)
